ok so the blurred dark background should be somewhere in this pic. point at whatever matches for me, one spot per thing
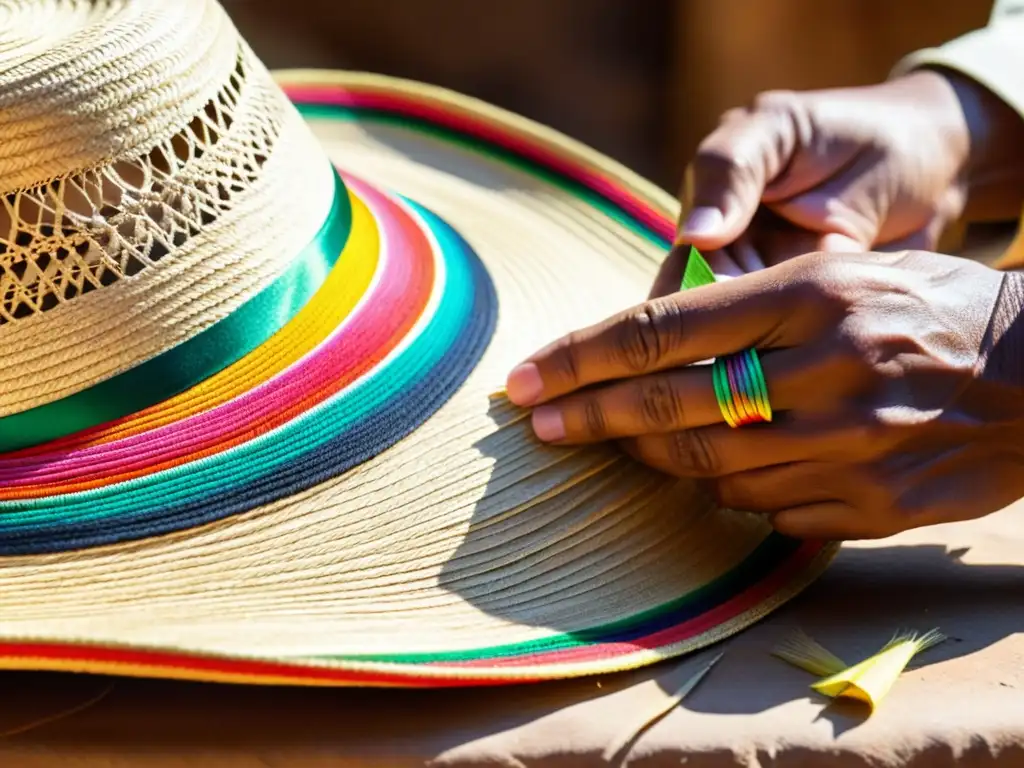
(641, 80)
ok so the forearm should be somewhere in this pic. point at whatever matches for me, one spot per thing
(995, 169)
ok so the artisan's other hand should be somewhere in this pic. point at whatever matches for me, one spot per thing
(897, 382)
(884, 167)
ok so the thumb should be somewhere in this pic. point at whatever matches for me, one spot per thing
(727, 177)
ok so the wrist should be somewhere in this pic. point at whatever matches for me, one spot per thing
(986, 137)
(939, 99)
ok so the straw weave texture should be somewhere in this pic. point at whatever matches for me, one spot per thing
(143, 145)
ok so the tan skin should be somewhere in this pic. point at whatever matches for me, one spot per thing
(896, 374)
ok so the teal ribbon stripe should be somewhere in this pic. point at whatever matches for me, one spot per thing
(191, 362)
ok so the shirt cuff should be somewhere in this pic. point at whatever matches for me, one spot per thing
(993, 57)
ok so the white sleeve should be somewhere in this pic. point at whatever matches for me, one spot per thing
(992, 56)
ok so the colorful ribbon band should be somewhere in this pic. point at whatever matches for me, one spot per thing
(192, 362)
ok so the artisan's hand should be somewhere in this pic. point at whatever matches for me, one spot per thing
(885, 168)
(897, 382)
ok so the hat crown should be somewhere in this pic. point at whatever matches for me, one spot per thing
(149, 169)
(88, 83)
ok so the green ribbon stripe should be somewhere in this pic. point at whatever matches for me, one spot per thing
(214, 349)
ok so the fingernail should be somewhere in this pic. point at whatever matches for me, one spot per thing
(702, 221)
(548, 424)
(524, 384)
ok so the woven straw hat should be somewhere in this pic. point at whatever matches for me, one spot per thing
(250, 328)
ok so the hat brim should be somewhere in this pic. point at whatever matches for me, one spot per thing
(345, 505)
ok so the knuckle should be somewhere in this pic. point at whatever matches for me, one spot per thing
(891, 346)
(720, 162)
(659, 404)
(868, 438)
(898, 502)
(820, 284)
(646, 336)
(905, 518)
(733, 115)
(833, 277)
(896, 523)
(774, 100)
(822, 274)
(567, 361)
(892, 520)
(594, 420)
(845, 357)
(888, 510)
(693, 454)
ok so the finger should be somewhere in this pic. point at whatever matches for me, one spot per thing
(762, 310)
(727, 177)
(849, 206)
(678, 399)
(746, 254)
(670, 274)
(780, 246)
(778, 240)
(723, 265)
(772, 239)
(924, 239)
(815, 381)
(719, 450)
(828, 521)
(921, 232)
(773, 489)
(682, 399)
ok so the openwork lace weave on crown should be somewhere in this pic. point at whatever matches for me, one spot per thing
(153, 178)
(87, 230)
